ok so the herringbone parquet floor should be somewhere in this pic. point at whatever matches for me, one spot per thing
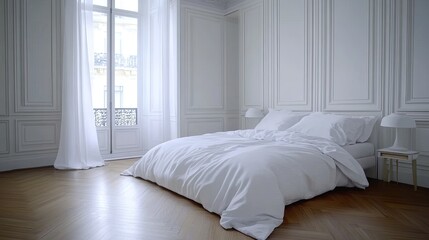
(45, 203)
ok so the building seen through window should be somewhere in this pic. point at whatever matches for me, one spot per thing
(114, 78)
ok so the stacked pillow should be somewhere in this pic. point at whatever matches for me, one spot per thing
(279, 120)
(369, 125)
(341, 129)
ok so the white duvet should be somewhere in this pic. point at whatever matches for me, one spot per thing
(248, 176)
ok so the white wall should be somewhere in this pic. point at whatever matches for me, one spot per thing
(251, 60)
(209, 82)
(30, 91)
(349, 56)
(363, 57)
(29, 83)
(409, 77)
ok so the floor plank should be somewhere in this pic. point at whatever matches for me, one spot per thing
(45, 203)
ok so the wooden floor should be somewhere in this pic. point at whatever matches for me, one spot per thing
(45, 203)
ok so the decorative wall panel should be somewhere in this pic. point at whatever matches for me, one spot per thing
(209, 82)
(232, 54)
(36, 54)
(127, 139)
(4, 137)
(29, 82)
(414, 82)
(103, 140)
(37, 135)
(353, 62)
(197, 126)
(205, 81)
(3, 60)
(232, 123)
(359, 57)
(421, 138)
(293, 82)
(252, 57)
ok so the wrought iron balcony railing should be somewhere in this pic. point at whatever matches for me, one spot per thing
(100, 60)
(123, 117)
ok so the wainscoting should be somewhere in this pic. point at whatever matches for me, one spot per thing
(352, 57)
(29, 83)
(209, 79)
(346, 56)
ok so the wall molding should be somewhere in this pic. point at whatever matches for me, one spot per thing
(236, 5)
(372, 101)
(4, 86)
(231, 62)
(420, 139)
(231, 122)
(405, 84)
(383, 38)
(191, 124)
(23, 101)
(27, 161)
(305, 103)
(127, 143)
(29, 137)
(30, 88)
(258, 54)
(213, 8)
(208, 89)
(4, 137)
(194, 105)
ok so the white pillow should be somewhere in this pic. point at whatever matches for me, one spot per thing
(367, 130)
(279, 120)
(340, 129)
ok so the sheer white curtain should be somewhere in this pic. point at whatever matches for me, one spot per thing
(160, 94)
(78, 142)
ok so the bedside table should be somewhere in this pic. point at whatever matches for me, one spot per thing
(390, 154)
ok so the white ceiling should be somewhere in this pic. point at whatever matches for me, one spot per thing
(220, 4)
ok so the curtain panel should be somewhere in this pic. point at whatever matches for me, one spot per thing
(78, 147)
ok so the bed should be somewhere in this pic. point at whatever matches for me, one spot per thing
(248, 176)
(364, 153)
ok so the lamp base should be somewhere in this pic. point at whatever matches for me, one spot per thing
(400, 144)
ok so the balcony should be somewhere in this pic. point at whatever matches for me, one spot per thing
(123, 117)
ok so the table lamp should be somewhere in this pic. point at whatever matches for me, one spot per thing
(398, 120)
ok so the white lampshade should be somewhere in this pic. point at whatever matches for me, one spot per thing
(253, 113)
(398, 120)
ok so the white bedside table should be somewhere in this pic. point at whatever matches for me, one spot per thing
(390, 154)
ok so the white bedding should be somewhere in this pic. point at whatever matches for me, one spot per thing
(360, 150)
(248, 176)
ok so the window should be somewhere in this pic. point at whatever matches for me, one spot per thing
(117, 72)
(122, 72)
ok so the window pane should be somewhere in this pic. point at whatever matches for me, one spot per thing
(130, 5)
(125, 71)
(100, 2)
(99, 76)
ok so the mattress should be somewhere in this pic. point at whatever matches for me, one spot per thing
(363, 153)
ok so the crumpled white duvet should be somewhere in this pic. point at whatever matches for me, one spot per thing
(248, 176)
